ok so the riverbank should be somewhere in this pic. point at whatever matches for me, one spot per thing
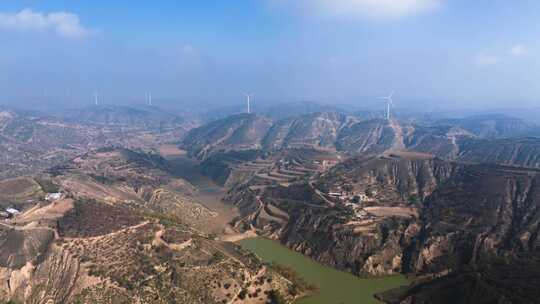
(334, 286)
(208, 194)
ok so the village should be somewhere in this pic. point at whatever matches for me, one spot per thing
(12, 212)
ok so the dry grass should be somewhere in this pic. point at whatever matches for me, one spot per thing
(392, 211)
(52, 211)
(18, 187)
(171, 150)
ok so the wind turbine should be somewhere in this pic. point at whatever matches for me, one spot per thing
(248, 99)
(96, 98)
(149, 96)
(389, 102)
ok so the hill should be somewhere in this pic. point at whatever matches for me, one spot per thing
(237, 132)
(250, 131)
(448, 224)
(346, 134)
(317, 130)
(127, 230)
(30, 142)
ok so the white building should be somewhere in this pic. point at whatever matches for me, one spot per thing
(53, 196)
(13, 211)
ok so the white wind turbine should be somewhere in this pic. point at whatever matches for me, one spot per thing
(96, 98)
(149, 98)
(389, 102)
(248, 99)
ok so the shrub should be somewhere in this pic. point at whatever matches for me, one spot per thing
(274, 297)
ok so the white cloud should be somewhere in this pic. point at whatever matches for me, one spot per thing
(518, 50)
(64, 24)
(486, 60)
(363, 8)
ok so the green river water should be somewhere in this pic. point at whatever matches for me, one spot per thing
(335, 287)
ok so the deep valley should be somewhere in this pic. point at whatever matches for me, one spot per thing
(248, 209)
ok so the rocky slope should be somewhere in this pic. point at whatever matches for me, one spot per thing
(318, 130)
(442, 141)
(482, 228)
(364, 237)
(238, 132)
(322, 130)
(449, 224)
(522, 152)
(367, 137)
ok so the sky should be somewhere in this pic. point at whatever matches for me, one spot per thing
(432, 53)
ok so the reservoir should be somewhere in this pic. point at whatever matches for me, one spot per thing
(335, 287)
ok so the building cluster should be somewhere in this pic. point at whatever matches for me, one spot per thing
(11, 212)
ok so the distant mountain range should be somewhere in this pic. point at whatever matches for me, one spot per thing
(493, 138)
(493, 126)
(144, 116)
(274, 111)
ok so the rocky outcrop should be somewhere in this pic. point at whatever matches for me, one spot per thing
(20, 246)
(480, 211)
(325, 236)
(54, 278)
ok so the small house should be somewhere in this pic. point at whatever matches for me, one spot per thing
(53, 196)
(12, 211)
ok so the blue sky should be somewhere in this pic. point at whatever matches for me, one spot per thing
(438, 52)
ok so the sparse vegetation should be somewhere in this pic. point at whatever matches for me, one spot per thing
(275, 297)
(90, 218)
(299, 285)
(47, 185)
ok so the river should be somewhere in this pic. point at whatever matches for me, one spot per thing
(335, 287)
